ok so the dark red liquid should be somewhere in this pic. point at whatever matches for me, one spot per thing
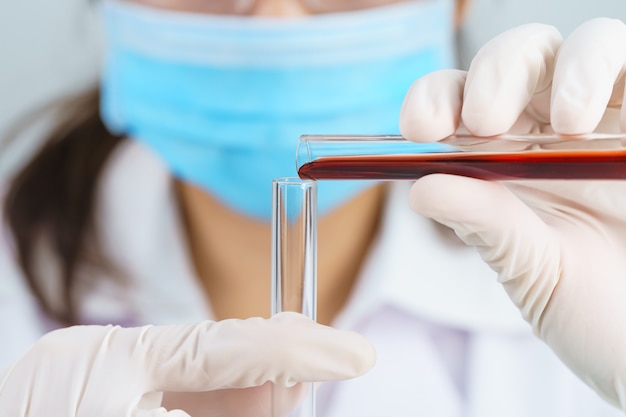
(591, 164)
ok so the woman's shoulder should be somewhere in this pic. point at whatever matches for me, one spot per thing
(136, 198)
(134, 167)
(141, 233)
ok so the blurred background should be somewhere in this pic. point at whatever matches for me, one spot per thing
(49, 49)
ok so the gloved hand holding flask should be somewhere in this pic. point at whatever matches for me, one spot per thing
(113, 371)
(558, 246)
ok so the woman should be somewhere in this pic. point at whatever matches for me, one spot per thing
(177, 230)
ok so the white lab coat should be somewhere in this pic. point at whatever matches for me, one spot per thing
(449, 343)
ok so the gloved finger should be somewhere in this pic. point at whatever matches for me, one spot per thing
(505, 75)
(590, 63)
(509, 236)
(432, 106)
(286, 349)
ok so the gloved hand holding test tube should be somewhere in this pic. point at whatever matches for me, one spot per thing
(557, 245)
(124, 371)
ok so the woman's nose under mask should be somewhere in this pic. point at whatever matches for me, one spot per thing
(223, 100)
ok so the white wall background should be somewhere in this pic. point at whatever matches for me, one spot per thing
(51, 47)
(487, 18)
(48, 48)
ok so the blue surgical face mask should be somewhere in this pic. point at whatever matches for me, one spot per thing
(223, 100)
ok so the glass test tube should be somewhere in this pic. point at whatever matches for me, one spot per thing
(504, 157)
(294, 267)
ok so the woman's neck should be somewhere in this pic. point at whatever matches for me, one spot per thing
(232, 253)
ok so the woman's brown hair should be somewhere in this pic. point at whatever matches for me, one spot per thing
(51, 200)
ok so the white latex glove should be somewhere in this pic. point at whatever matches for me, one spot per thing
(111, 371)
(559, 247)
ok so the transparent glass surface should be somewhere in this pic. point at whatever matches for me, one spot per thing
(294, 268)
(504, 157)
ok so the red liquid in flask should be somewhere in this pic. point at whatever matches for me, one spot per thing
(577, 164)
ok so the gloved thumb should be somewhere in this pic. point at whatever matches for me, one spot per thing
(509, 236)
